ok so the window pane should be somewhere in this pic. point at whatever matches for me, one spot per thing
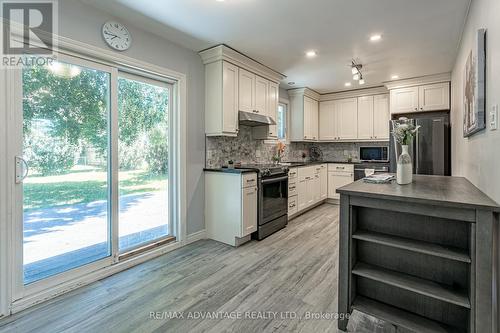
(281, 121)
(65, 131)
(143, 154)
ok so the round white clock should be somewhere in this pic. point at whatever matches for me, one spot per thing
(116, 36)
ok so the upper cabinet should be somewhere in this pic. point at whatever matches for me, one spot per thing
(304, 115)
(328, 121)
(233, 83)
(381, 117)
(246, 100)
(347, 118)
(422, 98)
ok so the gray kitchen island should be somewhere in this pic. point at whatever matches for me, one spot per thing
(420, 256)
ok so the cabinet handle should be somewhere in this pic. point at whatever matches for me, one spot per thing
(421, 108)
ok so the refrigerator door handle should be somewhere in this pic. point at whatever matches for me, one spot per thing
(417, 153)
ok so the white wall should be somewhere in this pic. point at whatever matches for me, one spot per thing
(478, 157)
(83, 23)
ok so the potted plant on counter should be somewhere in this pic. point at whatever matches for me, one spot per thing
(404, 132)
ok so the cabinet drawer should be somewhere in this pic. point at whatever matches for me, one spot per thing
(292, 173)
(341, 167)
(292, 189)
(292, 205)
(249, 179)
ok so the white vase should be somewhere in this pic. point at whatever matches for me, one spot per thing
(404, 172)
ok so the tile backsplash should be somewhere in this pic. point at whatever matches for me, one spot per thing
(244, 149)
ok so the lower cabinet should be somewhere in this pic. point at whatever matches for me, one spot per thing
(339, 175)
(230, 206)
(312, 185)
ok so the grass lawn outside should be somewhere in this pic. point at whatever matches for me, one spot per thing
(84, 186)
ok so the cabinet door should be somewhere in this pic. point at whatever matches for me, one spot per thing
(365, 117)
(246, 96)
(261, 95)
(327, 130)
(249, 210)
(229, 98)
(434, 97)
(381, 117)
(404, 100)
(272, 109)
(348, 118)
(308, 110)
(302, 195)
(316, 188)
(337, 180)
(323, 175)
(314, 119)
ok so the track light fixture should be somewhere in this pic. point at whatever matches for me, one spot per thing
(356, 72)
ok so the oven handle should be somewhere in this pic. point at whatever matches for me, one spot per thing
(274, 180)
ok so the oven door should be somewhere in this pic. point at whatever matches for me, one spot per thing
(273, 199)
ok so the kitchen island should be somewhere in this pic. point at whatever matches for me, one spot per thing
(420, 256)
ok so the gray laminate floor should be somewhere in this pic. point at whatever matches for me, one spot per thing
(289, 274)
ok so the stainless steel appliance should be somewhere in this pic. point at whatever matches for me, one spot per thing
(272, 202)
(430, 149)
(374, 154)
(378, 167)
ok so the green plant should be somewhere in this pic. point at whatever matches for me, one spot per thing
(48, 154)
(404, 131)
(131, 157)
(157, 150)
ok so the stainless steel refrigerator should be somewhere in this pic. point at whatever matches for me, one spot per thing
(430, 149)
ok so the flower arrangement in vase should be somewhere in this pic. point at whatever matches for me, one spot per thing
(280, 150)
(404, 131)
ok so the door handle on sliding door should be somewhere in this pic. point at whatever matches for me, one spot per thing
(22, 169)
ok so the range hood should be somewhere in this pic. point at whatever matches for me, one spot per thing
(254, 119)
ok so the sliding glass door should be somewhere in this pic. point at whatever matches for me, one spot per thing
(66, 193)
(92, 155)
(143, 108)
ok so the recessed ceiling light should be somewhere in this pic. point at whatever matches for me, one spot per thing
(375, 38)
(311, 54)
(395, 77)
(291, 83)
(347, 84)
(219, 0)
(361, 82)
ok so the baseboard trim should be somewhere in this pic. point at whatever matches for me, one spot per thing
(196, 236)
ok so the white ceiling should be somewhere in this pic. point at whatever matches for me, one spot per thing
(419, 37)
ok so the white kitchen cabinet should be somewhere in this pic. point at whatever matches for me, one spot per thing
(404, 100)
(434, 97)
(381, 117)
(365, 117)
(323, 175)
(246, 99)
(339, 175)
(261, 95)
(304, 118)
(230, 206)
(327, 121)
(269, 131)
(249, 210)
(347, 118)
(373, 117)
(221, 99)
(429, 97)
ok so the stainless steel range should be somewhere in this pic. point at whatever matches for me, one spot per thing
(272, 198)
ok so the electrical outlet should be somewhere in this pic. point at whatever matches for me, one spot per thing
(257, 153)
(494, 118)
(346, 152)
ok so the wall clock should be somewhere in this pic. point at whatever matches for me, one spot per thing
(116, 36)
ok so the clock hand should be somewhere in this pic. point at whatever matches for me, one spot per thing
(107, 33)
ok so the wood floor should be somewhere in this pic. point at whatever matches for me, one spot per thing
(294, 270)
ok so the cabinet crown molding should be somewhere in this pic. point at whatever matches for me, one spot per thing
(354, 93)
(417, 81)
(226, 53)
(304, 91)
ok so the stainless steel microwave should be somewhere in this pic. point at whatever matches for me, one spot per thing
(374, 154)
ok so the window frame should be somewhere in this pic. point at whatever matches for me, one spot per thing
(285, 102)
(14, 299)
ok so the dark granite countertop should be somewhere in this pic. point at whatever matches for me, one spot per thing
(229, 170)
(299, 164)
(439, 190)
